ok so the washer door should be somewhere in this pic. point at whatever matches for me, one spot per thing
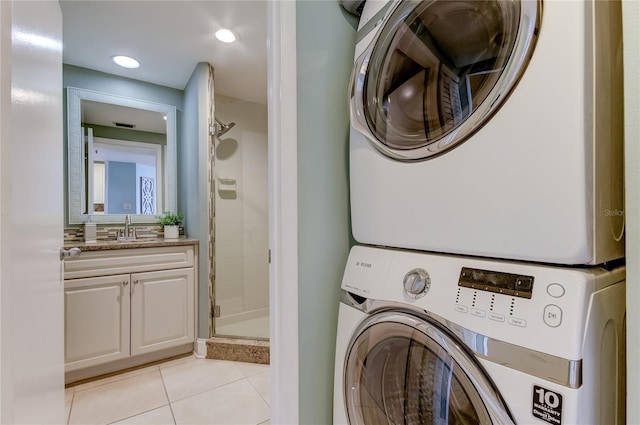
(438, 70)
(401, 369)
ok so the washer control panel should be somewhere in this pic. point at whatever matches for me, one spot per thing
(515, 285)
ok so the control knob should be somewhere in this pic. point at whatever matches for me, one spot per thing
(416, 283)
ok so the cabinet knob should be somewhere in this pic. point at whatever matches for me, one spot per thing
(73, 252)
(125, 282)
(136, 282)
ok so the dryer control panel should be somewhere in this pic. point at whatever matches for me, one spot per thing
(515, 285)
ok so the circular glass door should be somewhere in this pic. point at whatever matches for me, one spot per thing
(438, 70)
(405, 370)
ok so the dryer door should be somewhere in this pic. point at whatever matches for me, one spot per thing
(437, 70)
(401, 369)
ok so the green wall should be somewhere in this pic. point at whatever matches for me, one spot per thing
(325, 47)
(126, 134)
(192, 181)
(89, 79)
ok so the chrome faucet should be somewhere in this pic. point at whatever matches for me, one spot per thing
(129, 233)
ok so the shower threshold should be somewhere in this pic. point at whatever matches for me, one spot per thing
(254, 350)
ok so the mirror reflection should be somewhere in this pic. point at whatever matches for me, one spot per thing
(121, 157)
(124, 156)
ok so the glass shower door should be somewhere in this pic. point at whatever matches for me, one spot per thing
(241, 246)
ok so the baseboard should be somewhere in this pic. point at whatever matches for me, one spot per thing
(117, 366)
(200, 348)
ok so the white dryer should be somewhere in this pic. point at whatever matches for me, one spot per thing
(490, 128)
(442, 339)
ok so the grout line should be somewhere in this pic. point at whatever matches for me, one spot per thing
(169, 401)
(73, 397)
(260, 394)
(138, 414)
(207, 389)
(164, 385)
(256, 370)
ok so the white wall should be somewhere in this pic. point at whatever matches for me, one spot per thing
(241, 222)
(631, 42)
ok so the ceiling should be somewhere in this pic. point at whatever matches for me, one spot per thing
(169, 38)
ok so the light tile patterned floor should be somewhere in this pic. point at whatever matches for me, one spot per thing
(179, 392)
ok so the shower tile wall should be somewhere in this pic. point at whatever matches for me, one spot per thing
(241, 240)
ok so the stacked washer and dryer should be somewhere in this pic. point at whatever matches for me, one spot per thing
(486, 167)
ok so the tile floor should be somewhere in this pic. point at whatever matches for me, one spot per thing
(182, 391)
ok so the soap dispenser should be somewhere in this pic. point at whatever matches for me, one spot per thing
(90, 232)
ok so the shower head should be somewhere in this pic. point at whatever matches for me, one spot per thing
(221, 128)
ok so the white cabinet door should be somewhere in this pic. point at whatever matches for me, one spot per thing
(97, 320)
(162, 310)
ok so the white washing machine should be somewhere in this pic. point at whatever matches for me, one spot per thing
(489, 128)
(443, 339)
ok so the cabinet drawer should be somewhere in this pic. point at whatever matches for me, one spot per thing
(108, 262)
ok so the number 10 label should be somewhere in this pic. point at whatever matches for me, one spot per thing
(547, 405)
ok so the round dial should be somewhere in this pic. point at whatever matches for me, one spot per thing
(416, 283)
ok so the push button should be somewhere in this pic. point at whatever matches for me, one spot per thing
(461, 308)
(478, 313)
(552, 315)
(517, 322)
(555, 290)
(497, 317)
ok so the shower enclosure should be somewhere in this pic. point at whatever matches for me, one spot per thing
(240, 266)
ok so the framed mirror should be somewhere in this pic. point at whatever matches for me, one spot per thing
(121, 158)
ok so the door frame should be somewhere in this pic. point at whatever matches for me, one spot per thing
(283, 210)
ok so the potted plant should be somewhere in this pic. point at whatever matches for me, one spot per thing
(170, 221)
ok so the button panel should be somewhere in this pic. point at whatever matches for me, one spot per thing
(479, 294)
(503, 283)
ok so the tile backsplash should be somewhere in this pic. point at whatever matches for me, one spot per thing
(106, 233)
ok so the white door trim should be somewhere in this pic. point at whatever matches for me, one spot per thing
(283, 210)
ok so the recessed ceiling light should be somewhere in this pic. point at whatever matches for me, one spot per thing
(126, 62)
(226, 36)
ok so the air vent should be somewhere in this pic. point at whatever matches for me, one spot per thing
(124, 125)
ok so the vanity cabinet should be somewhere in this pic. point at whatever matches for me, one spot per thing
(124, 305)
(97, 320)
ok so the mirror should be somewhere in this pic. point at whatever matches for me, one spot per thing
(121, 158)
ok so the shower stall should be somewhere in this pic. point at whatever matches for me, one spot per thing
(239, 264)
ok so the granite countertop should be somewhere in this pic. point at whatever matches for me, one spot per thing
(139, 243)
